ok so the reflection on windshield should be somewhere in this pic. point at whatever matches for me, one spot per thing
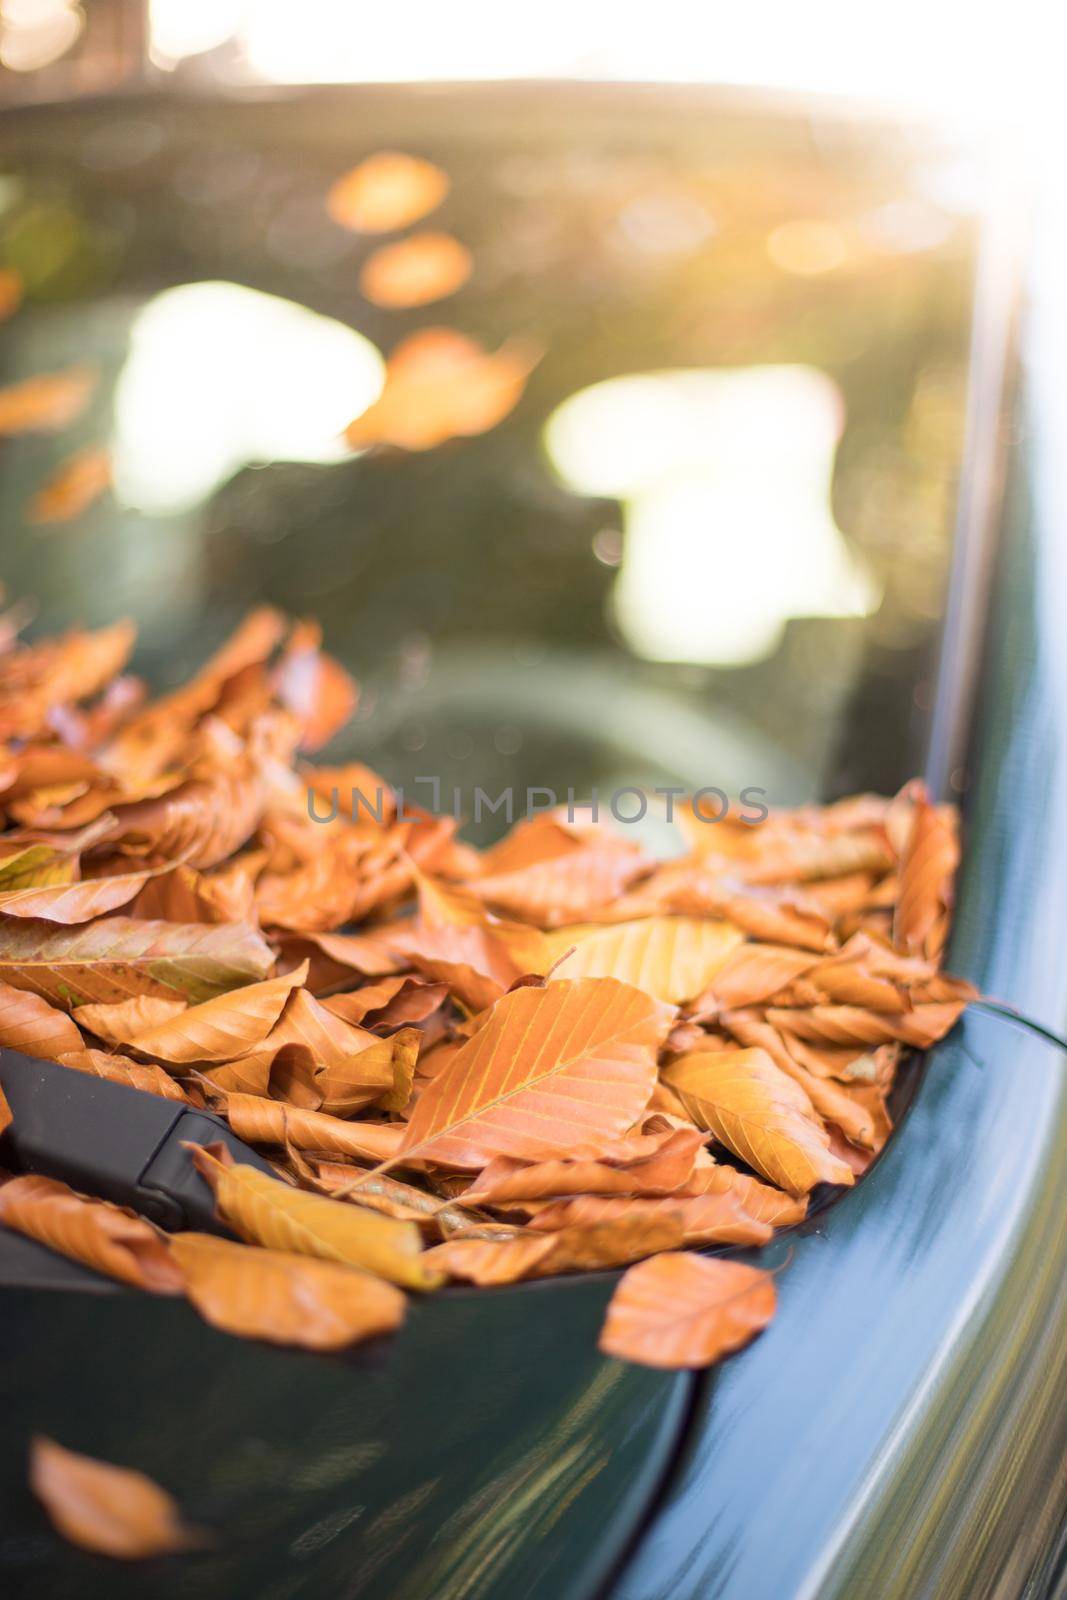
(725, 479)
(220, 377)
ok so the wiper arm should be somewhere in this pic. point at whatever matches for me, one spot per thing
(117, 1143)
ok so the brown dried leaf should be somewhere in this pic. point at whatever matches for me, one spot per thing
(592, 1247)
(102, 1236)
(650, 1164)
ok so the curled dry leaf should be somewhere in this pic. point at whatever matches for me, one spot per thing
(112, 1511)
(101, 1236)
(219, 1029)
(261, 1121)
(350, 1067)
(79, 481)
(565, 888)
(651, 1164)
(591, 1247)
(264, 1211)
(926, 880)
(200, 822)
(282, 1297)
(415, 271)
(131, 1074)
(760, 1114)
(686, 1311)
(703, 1219)
(387, 191)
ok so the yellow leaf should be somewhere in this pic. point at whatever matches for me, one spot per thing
(673, 958)
(264, 1211)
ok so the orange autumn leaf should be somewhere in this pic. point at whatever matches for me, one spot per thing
(761, 1201)
(314, 687)
(47, 403)
(441, 385)
(921, 1027)
(35, 680)
(591, 1247)
(80, 480)
(574, 1062)
(564, 889)
(351, 1067)
(830, 1100)
(261, 1121)
(751, 973)
(641, 1165)
(30, 1025)
(185, 895)
(704, 1219)
(101, 1236)
(200, 822)
(415, 271)
(120, 1069)
(760, 1114)
(10, 292)
(282, 1297)
(110, 1510)
(686, 1311)
(387, 191)
(219, 1029)
(927, 872)
(264, 1211)
(122, 1020)
(5, 1112)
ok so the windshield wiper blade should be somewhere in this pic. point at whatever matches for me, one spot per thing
(114, 1142)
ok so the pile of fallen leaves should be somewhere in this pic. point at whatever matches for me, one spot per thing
(556, 1055)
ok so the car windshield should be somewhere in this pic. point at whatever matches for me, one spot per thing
(667, 498)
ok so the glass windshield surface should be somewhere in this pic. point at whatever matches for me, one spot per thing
(690, 521)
